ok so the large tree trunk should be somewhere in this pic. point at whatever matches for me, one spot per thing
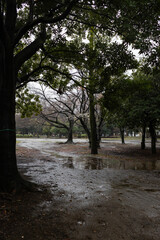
(10, 179)
(153, 137)
(143, 144)
(94, 140)
(9, 176)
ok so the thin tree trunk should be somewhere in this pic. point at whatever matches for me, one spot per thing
(122, 135)
(98, 142)
(143, 144)
(99, 135)
(86, 129)
(94, 140)
(99, 132)
(70, 131)
(153, 137)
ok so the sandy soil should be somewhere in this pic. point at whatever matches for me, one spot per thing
(111, 196)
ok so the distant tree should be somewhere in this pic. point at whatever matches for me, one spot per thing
(115, 100)
(70, 108)
(144, 105)
(133, 102)
(31, 125)
(60, 132)
(58, 111)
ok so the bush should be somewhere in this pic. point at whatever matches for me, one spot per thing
(19, 135)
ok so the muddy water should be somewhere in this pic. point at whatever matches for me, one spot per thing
(93, 193)
(96, 163)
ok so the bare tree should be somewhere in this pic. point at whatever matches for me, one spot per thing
(58, 112)
(63, 111)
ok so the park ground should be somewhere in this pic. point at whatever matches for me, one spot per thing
(111, 196)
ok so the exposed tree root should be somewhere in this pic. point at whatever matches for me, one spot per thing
(16, 185)
(69, 142)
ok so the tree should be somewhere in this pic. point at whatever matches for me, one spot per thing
(18, 20)
(58, 111)
(47, 130)
(30, 125)
(133, 103)
(27, 103)
(24, 28)
(144, 105)
(115, 100)
(70, 108)
(101, 59)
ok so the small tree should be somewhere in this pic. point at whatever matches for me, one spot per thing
(59, 111)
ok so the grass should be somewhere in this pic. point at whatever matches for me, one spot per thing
(119, 139)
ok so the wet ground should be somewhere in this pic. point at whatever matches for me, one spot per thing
(111, 196)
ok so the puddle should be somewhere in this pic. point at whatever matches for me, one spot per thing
(84, 187)
(94, 163)
(72, 161)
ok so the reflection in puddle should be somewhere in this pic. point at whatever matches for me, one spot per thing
(94, 163)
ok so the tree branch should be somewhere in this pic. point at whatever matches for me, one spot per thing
(31, 10)
(29, 51)
(54, 122)
(46, 20)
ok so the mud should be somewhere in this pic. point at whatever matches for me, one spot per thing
(111, 196)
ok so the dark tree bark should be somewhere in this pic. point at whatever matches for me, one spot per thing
(8, 166)
(93, 138)
(9, 176)
(143, 144)
(122, 135)
(153, 137)
(86, 129)
(10, 179)
(70, 131)
(99, 130)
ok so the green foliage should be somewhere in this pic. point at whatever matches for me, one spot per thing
(48, 130)
(116, 93)
(59, 131)
(18, 135)
(133, 102)
(99, 62)
(28, 126)
(132, 20)
(145, 101)
(138, 22)
(27, 103)
(99, 59)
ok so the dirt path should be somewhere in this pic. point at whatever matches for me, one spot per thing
(112, 196)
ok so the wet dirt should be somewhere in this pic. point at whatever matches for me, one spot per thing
(112, 196)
